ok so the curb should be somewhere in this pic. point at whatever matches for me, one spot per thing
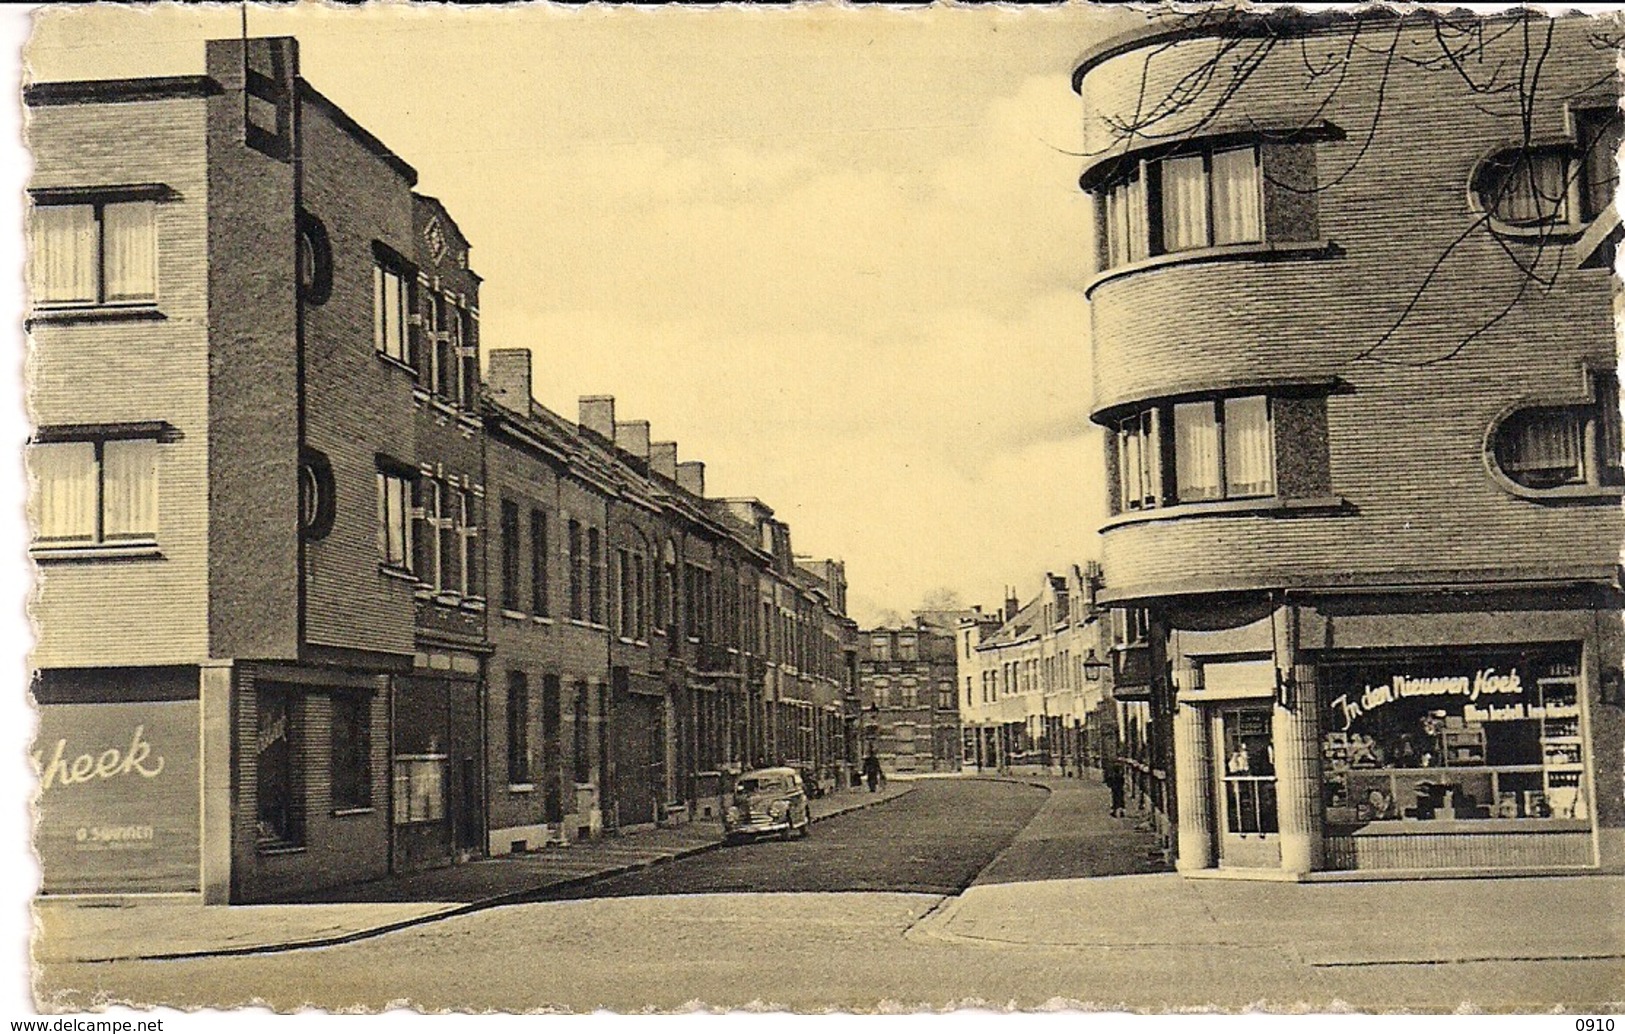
(526, 896)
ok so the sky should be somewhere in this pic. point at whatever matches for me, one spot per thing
(837, 255)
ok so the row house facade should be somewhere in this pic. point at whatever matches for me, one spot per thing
(907, 679)
(1364, 481)
(1035, 684)
(314, 606)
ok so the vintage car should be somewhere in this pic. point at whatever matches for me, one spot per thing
(767, 800)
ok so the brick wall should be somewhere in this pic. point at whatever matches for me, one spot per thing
(147, 611)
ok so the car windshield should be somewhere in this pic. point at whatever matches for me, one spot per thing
(763, 784)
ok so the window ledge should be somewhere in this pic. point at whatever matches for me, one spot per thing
(1563, 493)
(521, 787)
(512, 615)
(274, 847)
(1255, 251)
(473, 603)
(60, 554)
(625, 639)
(95, 313)
(541, 619)
(400, 574)
(1268, 507)
(448, 599)
(399, 364)
(340, 813)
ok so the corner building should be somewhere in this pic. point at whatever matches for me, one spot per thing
(1366, 525)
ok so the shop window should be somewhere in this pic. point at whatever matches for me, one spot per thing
(279, 788)
(420, 788)
(1453, 739)
(1249, 772)
(94, 492)
(93, 252)
(350, 756)
(1547, 447)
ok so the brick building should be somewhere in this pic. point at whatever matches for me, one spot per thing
(315, 606)
(1364, 482)
(908, 679)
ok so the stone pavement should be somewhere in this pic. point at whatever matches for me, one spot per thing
(1319, 924)
(1074, 835)
(108, 929)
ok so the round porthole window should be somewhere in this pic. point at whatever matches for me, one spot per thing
(316, 502)
(315, 260)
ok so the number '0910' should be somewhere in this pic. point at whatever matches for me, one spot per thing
(1593, 1023)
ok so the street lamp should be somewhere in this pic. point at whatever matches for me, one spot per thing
(1093, 666)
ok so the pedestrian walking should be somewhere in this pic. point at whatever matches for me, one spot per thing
(1114, 782)
(872, 772)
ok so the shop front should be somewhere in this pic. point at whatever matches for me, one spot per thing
(1367, 754)
(1456, 758)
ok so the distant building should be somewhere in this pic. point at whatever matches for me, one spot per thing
(907, 679)
(1035, 680)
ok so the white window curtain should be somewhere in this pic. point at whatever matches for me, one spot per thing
(394, 521)
(65, 491)
(469, 533)
(1237, 194)
(1547, 443)
(1131, 490)
(130, 243)
(1196, 452)
(1249, 466)
(130, 489)
(1184, 204)
(1533, 191)
(389, 315)
(63, 265)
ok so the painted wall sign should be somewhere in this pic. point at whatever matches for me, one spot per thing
(1486, 682)
(118, 806)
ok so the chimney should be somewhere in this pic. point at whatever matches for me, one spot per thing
(598, 415)
(1011, 604)
(663, 459)
(691, 476)
(508, 378)
(633, 436)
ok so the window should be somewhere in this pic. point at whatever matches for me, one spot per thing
(1599, 132)
(395, 520)
(621, 589)
(470, 353)
(510, 555)
(1132, 626)
(420, 788)
(94, 253)
(351, 751)
(1528, 188)
(392, 301)
(518, 729)
(880, 647)
(1555, 446)
(581, 723)
(448, 363)
(317, 502)
(595, 577)
(1181, 203)
(279, 793)
(577, 571)
(908, 648)
(538, 563)
(468, 529)
(639, 597)
(90, 493)
(450, 542)
(1221, 449)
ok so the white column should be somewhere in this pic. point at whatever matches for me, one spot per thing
(1297, 774)
(1193, 771)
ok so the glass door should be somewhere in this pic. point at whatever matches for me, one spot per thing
(1249, 822)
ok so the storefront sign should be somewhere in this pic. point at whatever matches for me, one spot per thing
(1486, 682)
(118, 806)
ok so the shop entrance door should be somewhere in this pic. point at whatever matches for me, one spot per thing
(1249, 822)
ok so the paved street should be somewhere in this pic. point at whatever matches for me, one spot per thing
(1143, 941)
(932, 841)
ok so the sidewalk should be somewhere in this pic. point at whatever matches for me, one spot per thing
(110, 929)
(1074, 835)
(1320, 924)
